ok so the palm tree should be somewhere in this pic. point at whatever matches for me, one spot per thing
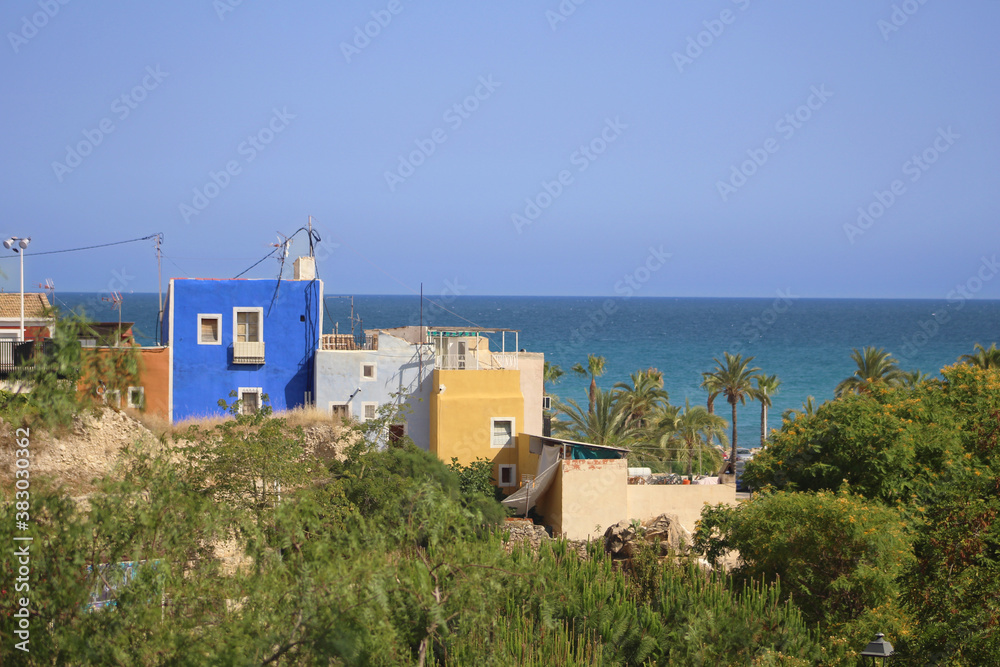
(695, 427)
(710, 383)
(552, 373)
(644, 395)
(982, 357)
(875, 367)
(594, 369)
(912, 378)
(607, 424)
(734, 377)
(767, 386)
(808, 409)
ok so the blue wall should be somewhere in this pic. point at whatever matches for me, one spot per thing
(202, 374)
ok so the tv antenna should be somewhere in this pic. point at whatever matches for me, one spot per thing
(116, 299)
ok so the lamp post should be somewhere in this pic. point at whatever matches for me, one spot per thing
(18, 245)
(878, 648)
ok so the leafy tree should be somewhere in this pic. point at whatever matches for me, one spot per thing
(911, 379)
(594, 370)
(875, 366)
(837, 556)
(982, 357)
(249, 460)
(808, 410)
(733, 378)
(475, 478)
(767, 386)
(62, 379)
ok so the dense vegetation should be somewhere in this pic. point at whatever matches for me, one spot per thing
(381, 558)
(877, 512)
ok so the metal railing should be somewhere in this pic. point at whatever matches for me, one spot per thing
(478, 361)
(16, 355)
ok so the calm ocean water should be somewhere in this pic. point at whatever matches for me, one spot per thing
(807, 343)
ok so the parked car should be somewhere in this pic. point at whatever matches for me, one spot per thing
(738, 469)
(744, 454)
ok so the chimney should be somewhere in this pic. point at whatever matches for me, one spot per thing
(305, 268)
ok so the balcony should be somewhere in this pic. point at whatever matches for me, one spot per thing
(248, 352)
(336, 341)
(477, 361)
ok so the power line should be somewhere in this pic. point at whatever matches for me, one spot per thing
(90, 247)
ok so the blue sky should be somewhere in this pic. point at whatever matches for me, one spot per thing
(713, 148)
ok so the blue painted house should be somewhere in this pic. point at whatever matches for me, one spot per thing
(254, 337)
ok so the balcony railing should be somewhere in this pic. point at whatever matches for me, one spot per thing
(478, 361)
(348, 342)
(248, 352)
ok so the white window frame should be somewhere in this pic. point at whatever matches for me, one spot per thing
(142, 398)
(364, 409)
(374, 371)
(260, 323)
(513, 432)
(202, 316)
(250, 390)
(513, 474)
(346, 404)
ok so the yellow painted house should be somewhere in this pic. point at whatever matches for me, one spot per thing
(483, 403)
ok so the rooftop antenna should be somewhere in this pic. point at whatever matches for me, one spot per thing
(158, 241)
(50, 288)
(311, 254)
(116, 299)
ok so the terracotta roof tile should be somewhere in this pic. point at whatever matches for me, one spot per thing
(35, 305)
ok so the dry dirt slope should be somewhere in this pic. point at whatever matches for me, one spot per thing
(88, 450)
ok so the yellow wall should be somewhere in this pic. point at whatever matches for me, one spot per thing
(594, 496)
(648, 501)
(461, 415)
(589, 495)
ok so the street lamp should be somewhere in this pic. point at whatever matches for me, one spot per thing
(18, 245)
(878, 648)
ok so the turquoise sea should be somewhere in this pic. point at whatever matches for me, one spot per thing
(807, 343)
